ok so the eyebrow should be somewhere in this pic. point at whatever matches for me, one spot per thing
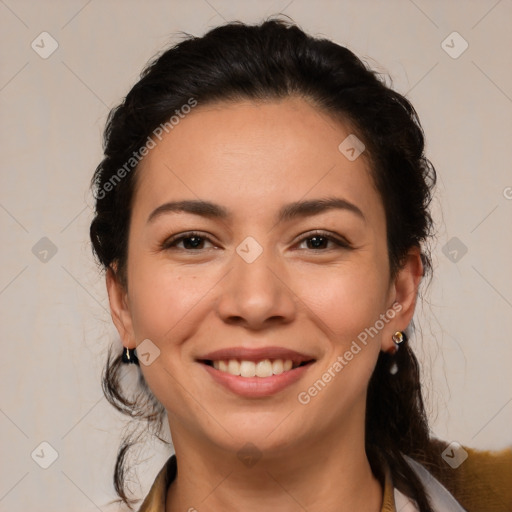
(298, 209)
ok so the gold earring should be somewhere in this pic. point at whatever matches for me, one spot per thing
(398, 337)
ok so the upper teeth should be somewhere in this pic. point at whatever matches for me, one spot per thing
(265, 368)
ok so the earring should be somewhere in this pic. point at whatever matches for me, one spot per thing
(129, 356)
(398, 337)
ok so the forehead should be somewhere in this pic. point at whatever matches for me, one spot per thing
(251, 155)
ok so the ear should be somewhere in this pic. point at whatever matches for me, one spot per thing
(119, 309)
(403, 295)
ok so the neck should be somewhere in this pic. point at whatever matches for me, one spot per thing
(332, 476)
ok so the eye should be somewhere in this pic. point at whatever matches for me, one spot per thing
(320, 240)
(317, 241)
(191, 241)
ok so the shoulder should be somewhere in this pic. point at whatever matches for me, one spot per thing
(478, 479)
(155, 499)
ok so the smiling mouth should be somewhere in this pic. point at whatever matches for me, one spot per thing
(263, 368)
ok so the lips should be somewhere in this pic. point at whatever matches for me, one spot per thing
(244, 368)
(256, 372)
(256, 354)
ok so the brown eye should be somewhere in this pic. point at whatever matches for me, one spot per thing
(321, 241)
(317, 242)
(190, 241)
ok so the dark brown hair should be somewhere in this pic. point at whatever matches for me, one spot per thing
(275, 60)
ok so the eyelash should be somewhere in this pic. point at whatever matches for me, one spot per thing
(170, 243)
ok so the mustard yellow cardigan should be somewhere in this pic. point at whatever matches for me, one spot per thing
(482, 483)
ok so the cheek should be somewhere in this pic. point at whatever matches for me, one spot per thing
(167, 305)
(158, 296)
(347, 299)
(348, 302)
(163, 298)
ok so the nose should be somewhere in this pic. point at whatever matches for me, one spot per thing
(256, 295)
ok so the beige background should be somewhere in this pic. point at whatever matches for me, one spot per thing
(55, 321)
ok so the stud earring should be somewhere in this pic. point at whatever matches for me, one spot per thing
(398, 337)
(129, 356)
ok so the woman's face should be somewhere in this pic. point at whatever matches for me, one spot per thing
(287, 264)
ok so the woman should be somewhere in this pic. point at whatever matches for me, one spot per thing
(262, 216)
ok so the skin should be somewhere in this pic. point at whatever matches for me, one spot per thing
(252, 159)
